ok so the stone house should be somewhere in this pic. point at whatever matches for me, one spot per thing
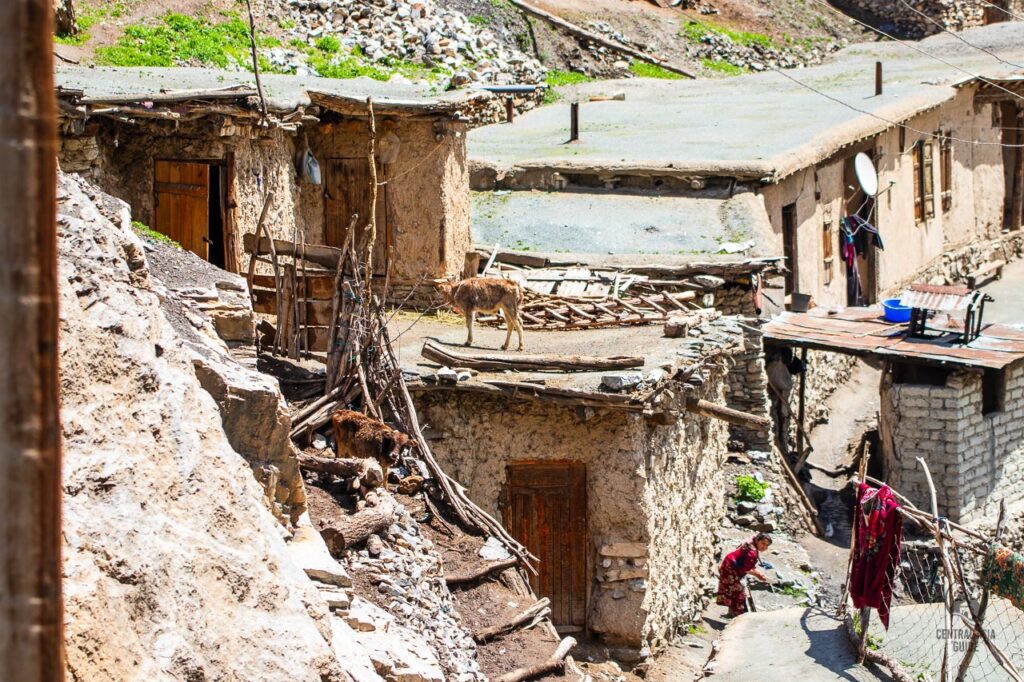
(785, 143)
(190, 152)
(617, 493)
(959, 406)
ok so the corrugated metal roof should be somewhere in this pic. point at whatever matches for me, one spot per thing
(935, 297)
(864, 332)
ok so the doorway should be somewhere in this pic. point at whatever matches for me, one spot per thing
(863, 291)
(189, 207)
(1010, 124)
(545, 509)
(348, 193)
(789, 247)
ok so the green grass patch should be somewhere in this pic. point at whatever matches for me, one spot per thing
(721, 66)
(479, 20)
(694, 31)
(86, 18)
(286, 24)
(328, 44)
(180, 38)
(645, 70)
(556, 78)
(146, 232)
(750, 489)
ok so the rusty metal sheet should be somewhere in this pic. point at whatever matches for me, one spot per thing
(936, 297)
(864, 332)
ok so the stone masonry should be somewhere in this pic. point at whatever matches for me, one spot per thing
(976, 459)
(921, 18)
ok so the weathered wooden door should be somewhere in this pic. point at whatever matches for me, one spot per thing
(349, 193)
(546, 510)
(182, 197)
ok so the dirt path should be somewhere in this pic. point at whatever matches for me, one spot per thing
(1008, 292)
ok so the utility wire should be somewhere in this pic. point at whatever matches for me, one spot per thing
(963, 40)
(888, 120)
(918, 49)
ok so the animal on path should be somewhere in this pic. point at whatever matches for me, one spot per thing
(486, 295)
(359, 436)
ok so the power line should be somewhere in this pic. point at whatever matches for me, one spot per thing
(958, 36)
(918, 49)
(887, 120)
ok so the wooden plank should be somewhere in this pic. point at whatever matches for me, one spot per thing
(327, 256)
(526, 362)
(316, 287)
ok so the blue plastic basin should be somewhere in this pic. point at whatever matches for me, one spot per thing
(894, 312)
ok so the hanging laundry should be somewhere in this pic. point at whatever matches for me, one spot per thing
(878, 531)
(1004, 575)
(865, 234)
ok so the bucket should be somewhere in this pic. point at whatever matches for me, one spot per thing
(799, 303)
(894, 312)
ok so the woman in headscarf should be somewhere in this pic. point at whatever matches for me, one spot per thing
(735, 565)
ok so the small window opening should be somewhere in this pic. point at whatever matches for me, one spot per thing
(993, 392)
(922, 375)
(924, 185)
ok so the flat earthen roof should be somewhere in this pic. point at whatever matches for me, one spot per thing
(864, 332)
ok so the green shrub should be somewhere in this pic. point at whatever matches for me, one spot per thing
(721, 66)
(750, 489)
(556, 78)
(694, 31)
(645, 70)
(328, 44)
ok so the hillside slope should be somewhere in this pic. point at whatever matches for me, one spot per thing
(453, 42)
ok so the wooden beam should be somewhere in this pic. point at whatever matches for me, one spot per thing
(327, 256)
(727, 414)
(31, 621)
(525, 363)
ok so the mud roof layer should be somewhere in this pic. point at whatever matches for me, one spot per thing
(284, 93)
(603, 222)
(864, 332)
(754, 126)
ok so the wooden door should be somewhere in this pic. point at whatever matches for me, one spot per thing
(546, 510)
(182, 204)
(349, 192)
(789, 247)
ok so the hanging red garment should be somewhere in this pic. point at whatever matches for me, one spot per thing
(879, 530)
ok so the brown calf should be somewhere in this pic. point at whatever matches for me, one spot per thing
(486, 295)
(359, 436)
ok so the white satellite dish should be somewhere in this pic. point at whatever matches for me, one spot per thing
(867, 176)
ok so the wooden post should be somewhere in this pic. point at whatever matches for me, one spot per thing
(801, 408)
(510, 110)
(878, 79)
(574, 122)
(31, 621)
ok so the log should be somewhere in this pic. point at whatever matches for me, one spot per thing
(368, 471)
(727, 414)
(524, 363)
(477, 574)
(346, 532)
(538, 610)
(553, 664)
(326, 256)
(589, 36)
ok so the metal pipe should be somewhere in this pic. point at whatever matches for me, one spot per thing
(31, 622)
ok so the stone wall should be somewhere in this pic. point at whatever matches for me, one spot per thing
(953, 266)
(976, 459)
(952, 15)
(657, 486)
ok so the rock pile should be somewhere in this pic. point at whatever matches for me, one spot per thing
(718, 47)
(417, 31)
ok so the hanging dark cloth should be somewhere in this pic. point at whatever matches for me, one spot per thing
(878, 531)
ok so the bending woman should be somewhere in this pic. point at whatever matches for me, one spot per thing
(735, 565)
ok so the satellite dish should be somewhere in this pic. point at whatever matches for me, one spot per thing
(867, 176)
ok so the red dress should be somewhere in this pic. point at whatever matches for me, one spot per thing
(734, 566)
(879, 531)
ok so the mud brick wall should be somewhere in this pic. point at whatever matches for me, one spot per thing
(976, 459)
(656, 488)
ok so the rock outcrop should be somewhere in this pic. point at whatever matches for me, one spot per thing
(174, 568)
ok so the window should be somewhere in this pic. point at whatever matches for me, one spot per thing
(946, 169)
(826, 250)
(924, 185)
(993, 391)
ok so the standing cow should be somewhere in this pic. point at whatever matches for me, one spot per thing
(486, 295)
(358, 436)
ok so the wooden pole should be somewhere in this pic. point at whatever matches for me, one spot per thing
(371, 153)
(801, 410)
(878, 79)
(31, 620)
(256, 62)
(574, 122)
